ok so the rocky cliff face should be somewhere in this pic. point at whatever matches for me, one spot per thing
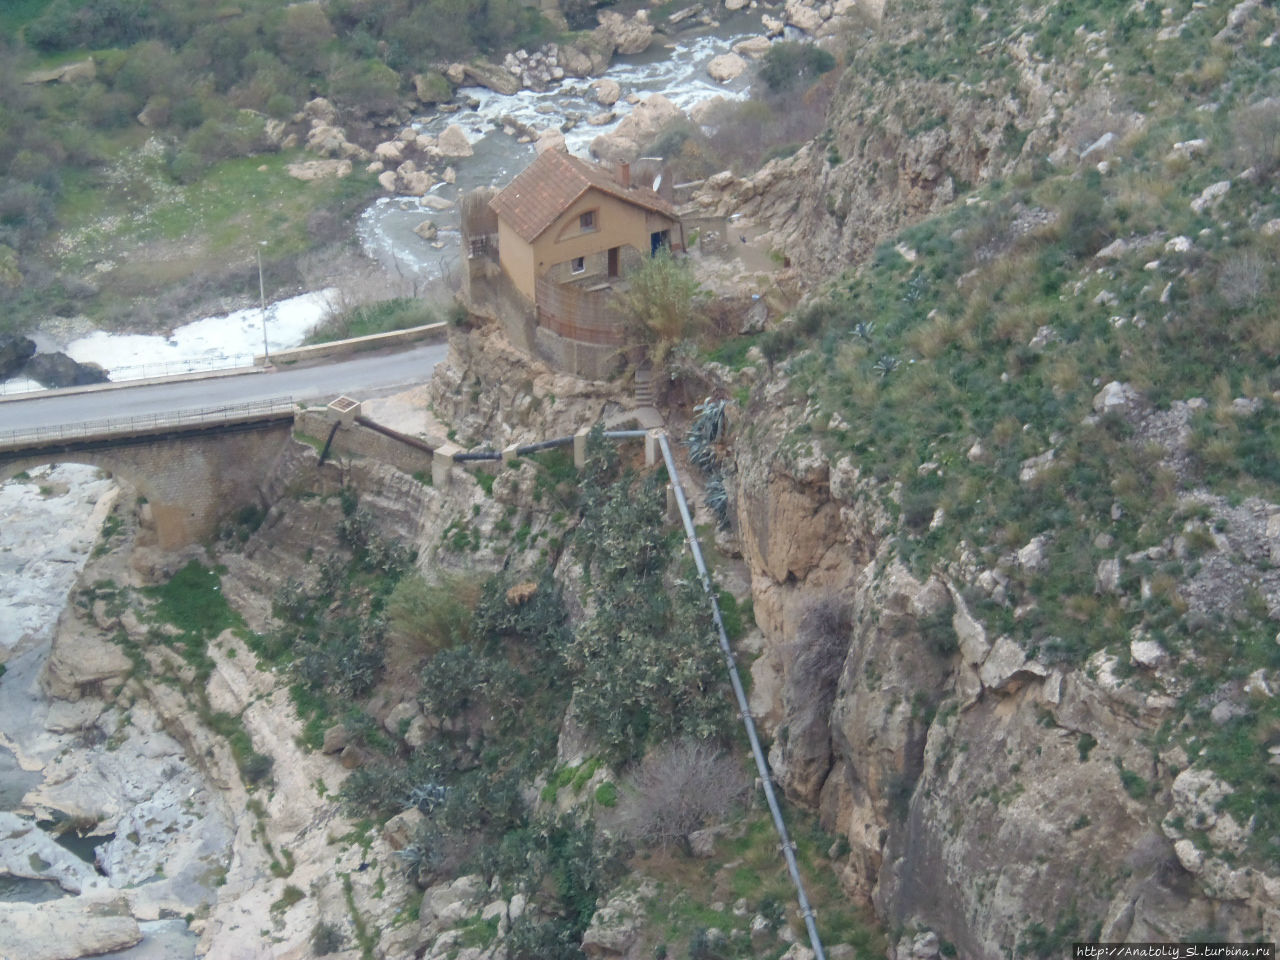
(491, 393)
(930, 106)
(984, 796)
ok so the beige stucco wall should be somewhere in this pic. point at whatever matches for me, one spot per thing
(516, 258)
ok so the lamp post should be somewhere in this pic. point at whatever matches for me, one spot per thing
(262, 306)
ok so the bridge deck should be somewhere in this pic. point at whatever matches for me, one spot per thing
(121, 429)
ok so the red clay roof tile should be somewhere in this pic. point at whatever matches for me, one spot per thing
(542, 191)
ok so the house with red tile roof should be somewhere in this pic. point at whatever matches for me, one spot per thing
(567, 232)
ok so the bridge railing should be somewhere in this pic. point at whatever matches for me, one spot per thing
(146, 371)
(126, 426)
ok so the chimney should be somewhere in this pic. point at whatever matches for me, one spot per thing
(624, 174)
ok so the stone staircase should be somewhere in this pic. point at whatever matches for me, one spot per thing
(644, 388)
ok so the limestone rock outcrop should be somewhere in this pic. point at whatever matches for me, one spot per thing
(67, 929)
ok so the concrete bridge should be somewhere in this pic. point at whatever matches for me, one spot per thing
(193, 466)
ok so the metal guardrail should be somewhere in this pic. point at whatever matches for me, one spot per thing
(148, 371)
(127, 426)
(173, 368)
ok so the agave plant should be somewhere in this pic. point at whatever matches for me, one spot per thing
(717, 500)
(886, 365)
(916, 288)
(426, 796)
(863, 330)
(707, 427)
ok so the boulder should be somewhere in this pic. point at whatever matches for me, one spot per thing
(28, 851)
(320, 110)
(614, 927)
(427, 230)
(387, 180)
(415, 184)
(453, 142)
(624, 36)
(431, 87)
(1211, 196)
(67, 73)
(1116, 397)
(637, 129)
(549, 139)
(733, 5)
(484, 74)
(1147, 653)
(390, 151)
(56, 370)
(802, 17)
(399, 716)
(14, 352)
(452, 902)
(65, 929)
(726, 67)
(753, 47)
(310, 170)
(1006, 662)
(585, 59)
(336, 739)
(399, 830)
(419, 732)
(326, 139)
(606, 91)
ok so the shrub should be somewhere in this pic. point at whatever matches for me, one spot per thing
(326, 938)
(788, 64)
(661, 301)
(434, 616)
(1256, 135)
(678, 788)
(366, 86)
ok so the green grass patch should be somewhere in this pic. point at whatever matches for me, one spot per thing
(733, 352)
(384, 316)
(607, 794)
(478, 932)
(192, 601)
(485, 479)
(290, 896)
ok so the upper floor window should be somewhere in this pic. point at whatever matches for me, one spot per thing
(587, 221)
(578, 264)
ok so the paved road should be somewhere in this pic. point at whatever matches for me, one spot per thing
(365, 376)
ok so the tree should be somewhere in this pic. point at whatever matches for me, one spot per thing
(789, 63)
(661, 301)
(366, 86)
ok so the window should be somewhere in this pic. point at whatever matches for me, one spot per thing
(587, 221)
(578, 264)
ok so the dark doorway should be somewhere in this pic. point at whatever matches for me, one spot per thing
(658, 240)
(613, 262)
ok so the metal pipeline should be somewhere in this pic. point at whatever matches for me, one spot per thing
(788, 848)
